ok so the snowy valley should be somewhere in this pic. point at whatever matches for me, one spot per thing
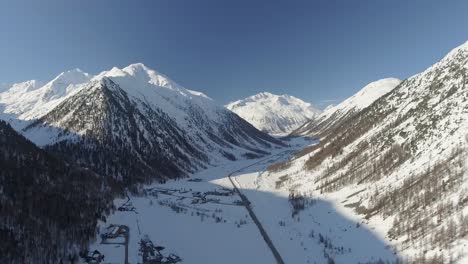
(166, 175)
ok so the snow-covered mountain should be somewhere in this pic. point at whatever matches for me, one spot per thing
(401, 164)
(274, 114)
(32, 99)
(133, 124)
(335, 115)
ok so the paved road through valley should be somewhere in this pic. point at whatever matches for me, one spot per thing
(248, 206)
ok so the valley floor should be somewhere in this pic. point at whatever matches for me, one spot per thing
(203, 220)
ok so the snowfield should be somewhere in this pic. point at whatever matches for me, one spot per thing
(218, 229)
(345, 237)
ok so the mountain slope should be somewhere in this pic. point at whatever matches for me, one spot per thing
(401, 163)
(48, 208)
(136, 125)
(274, 114)
(335, 115)
(31, 99)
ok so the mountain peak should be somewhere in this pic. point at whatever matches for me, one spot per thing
(136, 67)
(64, 83)
(334, 115)
(139, 68)
(371, 92)
(462, 48)
(30, 99)
(74, 76)
(275, 114)
(74, 70)
(141, 74)
(263, 95)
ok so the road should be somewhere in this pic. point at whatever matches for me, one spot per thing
(248, 206)
(245, 202)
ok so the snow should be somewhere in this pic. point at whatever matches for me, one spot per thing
(159, 91)
(199, 239)
(194, 233)
(365, 97)
(327, 216)
(194, 113)
(30, 100)
(275, 114)
(329, 107)
(195, 238)
(429, 112)
(335, 114)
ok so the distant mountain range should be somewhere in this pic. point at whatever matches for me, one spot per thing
(99, 136)
(274, 114)
(140, 124)
(394, 154)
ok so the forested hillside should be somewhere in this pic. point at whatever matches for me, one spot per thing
(401, 162)
(48, 208)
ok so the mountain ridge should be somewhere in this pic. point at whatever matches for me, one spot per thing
(401, 162)
(344, 111)
(164, 129)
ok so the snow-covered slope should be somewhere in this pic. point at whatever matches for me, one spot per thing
(335, 115)
(274, 114)
(31, 99)
(401, 164)
(133, 124)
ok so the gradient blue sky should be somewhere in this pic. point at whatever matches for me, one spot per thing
(316, 50)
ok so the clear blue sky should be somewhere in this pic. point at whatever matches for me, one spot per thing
(316, 50)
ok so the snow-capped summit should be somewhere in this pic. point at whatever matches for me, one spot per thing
(156, 89)
(26, 86)
(145, 77)
(335, 115)
(152, 126)
(368, 94)
(138, 72)
(31, 99)
(274, 114)
(63, 84)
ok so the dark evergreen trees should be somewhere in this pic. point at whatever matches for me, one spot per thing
(48, 208)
